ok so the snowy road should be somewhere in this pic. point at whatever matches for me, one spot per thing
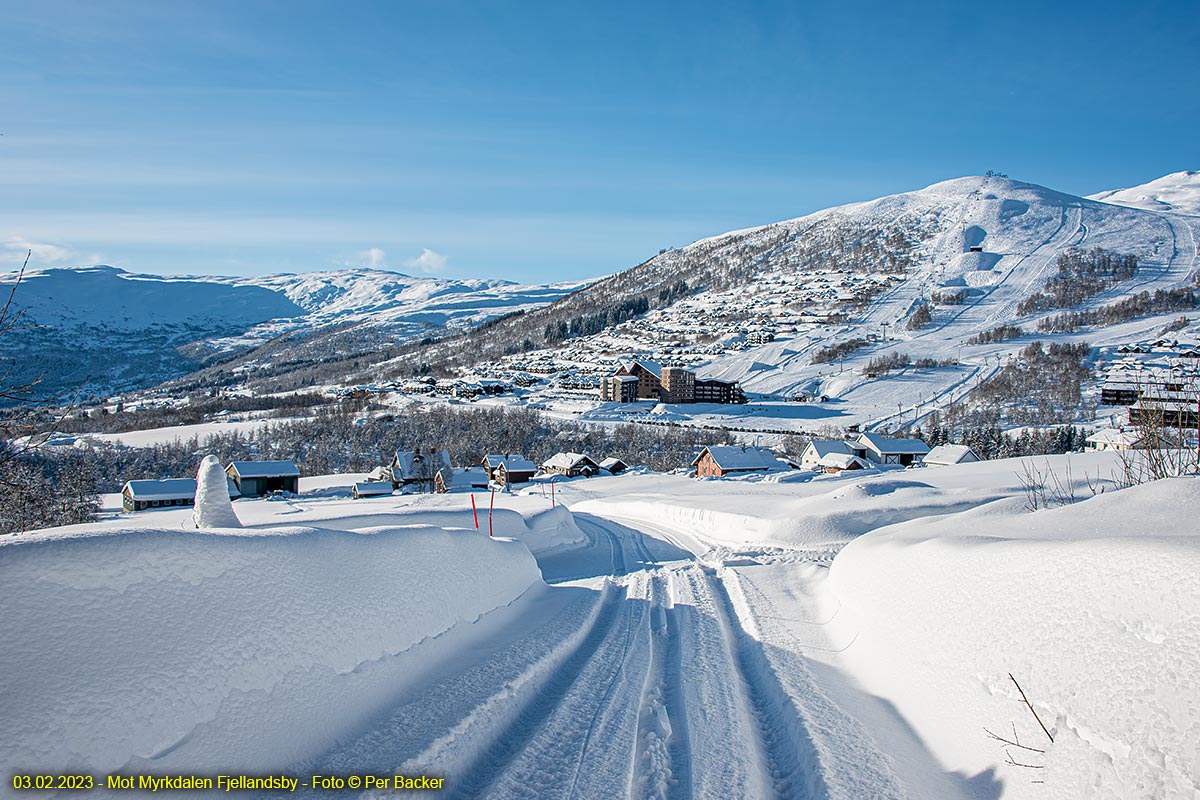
(642, 671)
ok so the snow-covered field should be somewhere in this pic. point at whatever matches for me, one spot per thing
(797, 636)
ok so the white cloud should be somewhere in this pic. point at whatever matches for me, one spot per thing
(43, 254)
(375, 258)
(428, 261)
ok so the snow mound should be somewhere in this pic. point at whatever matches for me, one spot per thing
(213, 508)
(161, 650)
(1094, 608)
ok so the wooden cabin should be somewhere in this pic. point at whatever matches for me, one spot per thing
(505, 469)
(572, 465)
(721, 460)
(259, 478)
(372, 489)
(171, 492)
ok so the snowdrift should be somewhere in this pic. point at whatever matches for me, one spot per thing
(529, 518)
(769, 514)
(1094, 608)
(164, 649)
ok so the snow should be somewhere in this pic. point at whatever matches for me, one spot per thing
(1178, 192)
(213, 508)
(154, 649)
(945, 454)
(1092, 607)
(787, 634)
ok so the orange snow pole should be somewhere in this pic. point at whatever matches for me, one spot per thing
(474, 513)
(490, 507)
(552, 492)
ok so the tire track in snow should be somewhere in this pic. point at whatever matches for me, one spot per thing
(663, 769)
(792, 759)
(494, 761)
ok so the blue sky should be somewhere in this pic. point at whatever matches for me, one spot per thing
(543, 141)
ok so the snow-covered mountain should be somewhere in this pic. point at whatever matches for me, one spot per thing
(1178, 192)
(103, 328)
(803, 307)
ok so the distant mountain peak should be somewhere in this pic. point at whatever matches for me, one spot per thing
(1178, 192)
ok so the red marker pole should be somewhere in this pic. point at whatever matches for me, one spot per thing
(552, 492)
(490, 507)
(474, 513)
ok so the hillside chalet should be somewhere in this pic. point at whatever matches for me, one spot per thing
(945, 455)
(883, 450)
(506, 469)
(833, 463)
(372, 489)
(818, 449)
(571, 465)
(142, 494)
(1114, 439)
(721, 460)
(613, 466)
(460, 480)
(415, 469)
(258, 478)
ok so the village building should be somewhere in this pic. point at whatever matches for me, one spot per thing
(505, 469)
(460, 479)
(833, 463)
(619, 389)
(572, 465)
(666, 385)
(715, 390)
(258, 478)
(678, 385)
(613, 466)
(817, 449)
(372, 489)
(415, 470)
(139, 495)
(945, 455)
(1114, 439)
(883, 450)
(721, 460)
(649, 378)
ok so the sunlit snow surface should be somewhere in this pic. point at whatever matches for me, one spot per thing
(794, 636)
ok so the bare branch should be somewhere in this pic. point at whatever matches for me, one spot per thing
(1030, 706)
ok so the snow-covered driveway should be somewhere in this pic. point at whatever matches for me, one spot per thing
(640, 672)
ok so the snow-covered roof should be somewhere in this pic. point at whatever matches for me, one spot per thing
(950, 454)
(510, 463)
(609, 463)
(463, 478)
(373, 487)
(841, 461)
(265, 469)
(733, 458)
(1114, 436)
(883, 445)
(168, 489)
(568, 461)
(409, 464)
(650, 366)
(823, 447)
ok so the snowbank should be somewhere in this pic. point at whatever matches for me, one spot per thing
(829, 511)
(158, 649)
(527, 518)
(1094, 608)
